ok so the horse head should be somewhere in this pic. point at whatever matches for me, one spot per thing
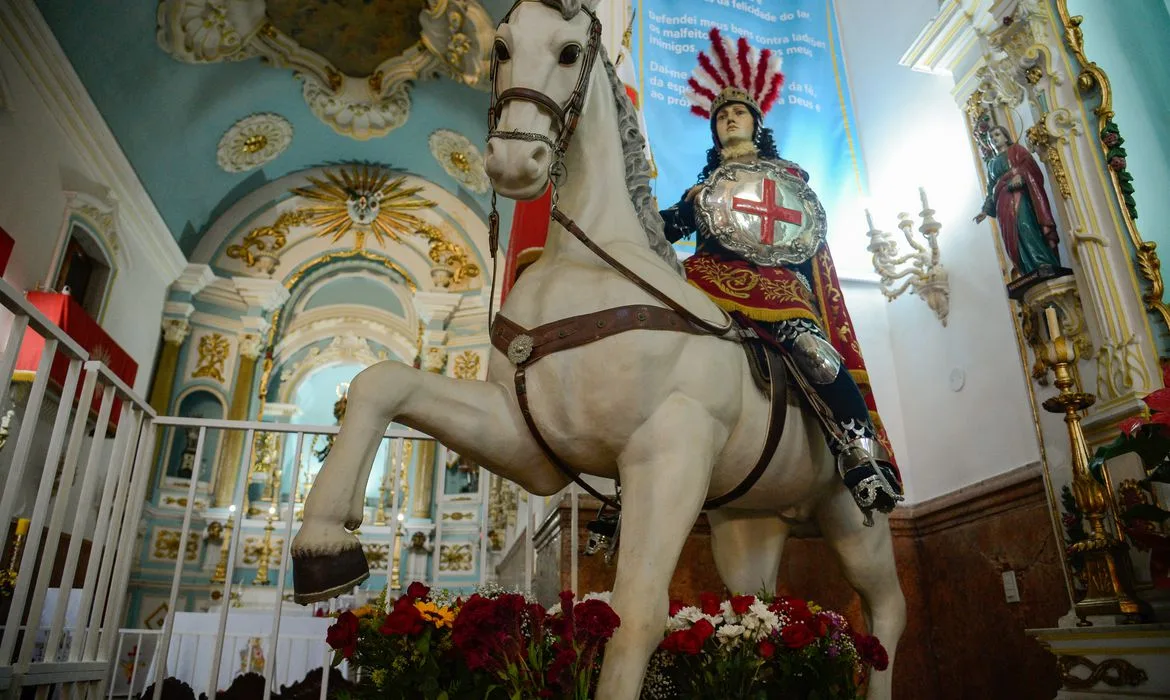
(542, 59)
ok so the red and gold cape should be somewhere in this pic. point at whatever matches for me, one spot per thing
(773, 294)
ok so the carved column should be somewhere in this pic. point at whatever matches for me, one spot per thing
(1025, 68)
(175, 331)
(233, 441)
(434, 312)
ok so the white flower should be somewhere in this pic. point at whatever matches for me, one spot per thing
(728, 613)
(760, 621)
(688, 616)
(729, 633)
(555, 609)
(604, 596)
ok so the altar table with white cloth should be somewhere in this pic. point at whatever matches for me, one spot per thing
(300, 648)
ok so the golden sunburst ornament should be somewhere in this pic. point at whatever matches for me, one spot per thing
(363, 199)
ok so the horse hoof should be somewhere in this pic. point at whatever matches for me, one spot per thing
(318, 577)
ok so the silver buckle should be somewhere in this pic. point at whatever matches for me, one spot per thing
(520, 349)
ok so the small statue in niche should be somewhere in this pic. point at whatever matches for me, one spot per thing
(1017, 200)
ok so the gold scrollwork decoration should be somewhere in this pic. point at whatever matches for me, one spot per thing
(1044, 142)
(377, 555)
(1090, 78)
(166, 546)
(1111, 672)
(455, 557)
(467, 365)
(266, 240)
(448, 254)
(213, 353)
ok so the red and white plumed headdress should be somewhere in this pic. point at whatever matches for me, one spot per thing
(737, 73)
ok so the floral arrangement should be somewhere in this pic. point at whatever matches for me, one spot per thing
(752, 647)
(501, 644)
(493, 643)
(1142, 521)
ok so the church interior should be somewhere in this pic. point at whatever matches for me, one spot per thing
(215, 214)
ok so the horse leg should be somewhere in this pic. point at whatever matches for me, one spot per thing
(479, 420)
(664, 482)
(866, 555)
(747, 546)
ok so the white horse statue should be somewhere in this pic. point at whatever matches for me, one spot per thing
(676, 415)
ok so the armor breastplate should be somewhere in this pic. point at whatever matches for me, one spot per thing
(762, 212)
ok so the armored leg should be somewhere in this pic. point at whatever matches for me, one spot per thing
(863, 463)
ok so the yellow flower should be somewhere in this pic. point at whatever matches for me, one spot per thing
(441, 617)
(814, 608)
(378, 675)
(364, 611)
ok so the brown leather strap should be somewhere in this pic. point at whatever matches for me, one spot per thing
(576, 331)
(530, 95)
(566, 470)
(572, 227)
(777, 414)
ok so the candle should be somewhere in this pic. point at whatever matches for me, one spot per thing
(1053, 323)
(22, 526)
(869, 219)
(922, 196)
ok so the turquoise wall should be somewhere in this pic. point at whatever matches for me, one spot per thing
(1130, 40)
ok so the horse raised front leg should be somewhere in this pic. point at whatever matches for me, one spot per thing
(866, 555)
(665, 472)
(479, 420)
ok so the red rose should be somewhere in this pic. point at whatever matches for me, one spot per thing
(1117, 163)
(417, 591)
(797, 636)
(871, 651)
(404, 619)
(766, 649)
(741, 603)
(709, 603)
(342, 635)
(595, 620)
(675, 606)
(703, 630)
(687, 642)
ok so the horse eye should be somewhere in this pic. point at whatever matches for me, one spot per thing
(570, 54)
(501, 49)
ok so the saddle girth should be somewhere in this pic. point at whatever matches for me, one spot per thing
(524, 347)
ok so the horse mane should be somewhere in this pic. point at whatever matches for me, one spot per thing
(637, 167)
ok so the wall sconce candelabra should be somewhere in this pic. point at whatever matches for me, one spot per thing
(920, 269)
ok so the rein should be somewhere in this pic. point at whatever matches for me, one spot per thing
(524, 347)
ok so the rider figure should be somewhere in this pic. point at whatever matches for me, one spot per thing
(785, 305)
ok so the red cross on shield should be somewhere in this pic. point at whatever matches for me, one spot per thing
(769, 210)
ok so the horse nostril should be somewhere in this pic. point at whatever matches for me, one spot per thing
(537, 161)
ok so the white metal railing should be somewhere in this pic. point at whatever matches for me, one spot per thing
(236, 514)
(75, 659)
(44, 642)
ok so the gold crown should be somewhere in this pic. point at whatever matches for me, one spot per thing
(733, 94)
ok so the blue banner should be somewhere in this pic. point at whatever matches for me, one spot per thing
(812, 119)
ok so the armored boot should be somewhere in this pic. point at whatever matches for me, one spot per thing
(866, 469)
(864, 465)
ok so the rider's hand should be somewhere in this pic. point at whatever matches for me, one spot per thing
(980, 217)
(692, 193)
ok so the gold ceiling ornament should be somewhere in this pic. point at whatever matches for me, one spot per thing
(357, 60)
(213, 353)
(460, 159)
(363, 199)
(253, 141)
(259, 246)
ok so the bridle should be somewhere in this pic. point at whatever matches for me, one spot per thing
(521, 348)
(565, 118)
